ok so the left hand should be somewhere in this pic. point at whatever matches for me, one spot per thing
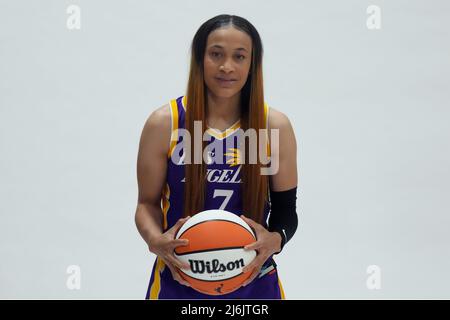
(267, 244)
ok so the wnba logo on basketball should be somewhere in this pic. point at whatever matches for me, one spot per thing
(214, 266)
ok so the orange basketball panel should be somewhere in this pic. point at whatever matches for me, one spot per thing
(215, 235)
(217, 287)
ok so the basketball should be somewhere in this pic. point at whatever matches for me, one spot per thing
(215, 251)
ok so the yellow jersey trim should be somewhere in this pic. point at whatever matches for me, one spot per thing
(156, 285)
(224, 134)
(174, 132)
(213, 132)
(283, 297)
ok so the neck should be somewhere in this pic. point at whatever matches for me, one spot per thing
(223, 112)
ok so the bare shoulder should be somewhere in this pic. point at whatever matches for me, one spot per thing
(152, 155)
(157, 128)
(283, 152)
(160, 118)
(278, 120)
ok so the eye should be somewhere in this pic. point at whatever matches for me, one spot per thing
(241, 57)
(215, 54)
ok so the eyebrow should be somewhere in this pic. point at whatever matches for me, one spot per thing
(220, 47)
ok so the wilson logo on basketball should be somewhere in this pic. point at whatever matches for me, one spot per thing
(214, 266)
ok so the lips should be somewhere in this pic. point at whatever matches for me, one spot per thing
(225, 83)
(225, 79)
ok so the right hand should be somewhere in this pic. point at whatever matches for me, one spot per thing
(164, 246)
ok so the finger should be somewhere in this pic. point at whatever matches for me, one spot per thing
(253, 246)
(251, 223)
(250, 267)
(181, 221)
(179, 242)
(176, 276)
(248, 220)
(177, 263)
(257, 263)
(178, 224)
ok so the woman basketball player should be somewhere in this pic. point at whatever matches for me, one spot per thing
(225, 93)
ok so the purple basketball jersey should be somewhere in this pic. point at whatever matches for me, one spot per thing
(223, 182)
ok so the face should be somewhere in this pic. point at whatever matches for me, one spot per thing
(227, 61)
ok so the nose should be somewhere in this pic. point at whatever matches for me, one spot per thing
(226, 66)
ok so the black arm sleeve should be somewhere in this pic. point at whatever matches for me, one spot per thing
(283, 215)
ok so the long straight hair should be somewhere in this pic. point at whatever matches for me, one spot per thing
(254, 186)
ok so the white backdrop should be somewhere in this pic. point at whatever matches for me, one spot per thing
(370, 109)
